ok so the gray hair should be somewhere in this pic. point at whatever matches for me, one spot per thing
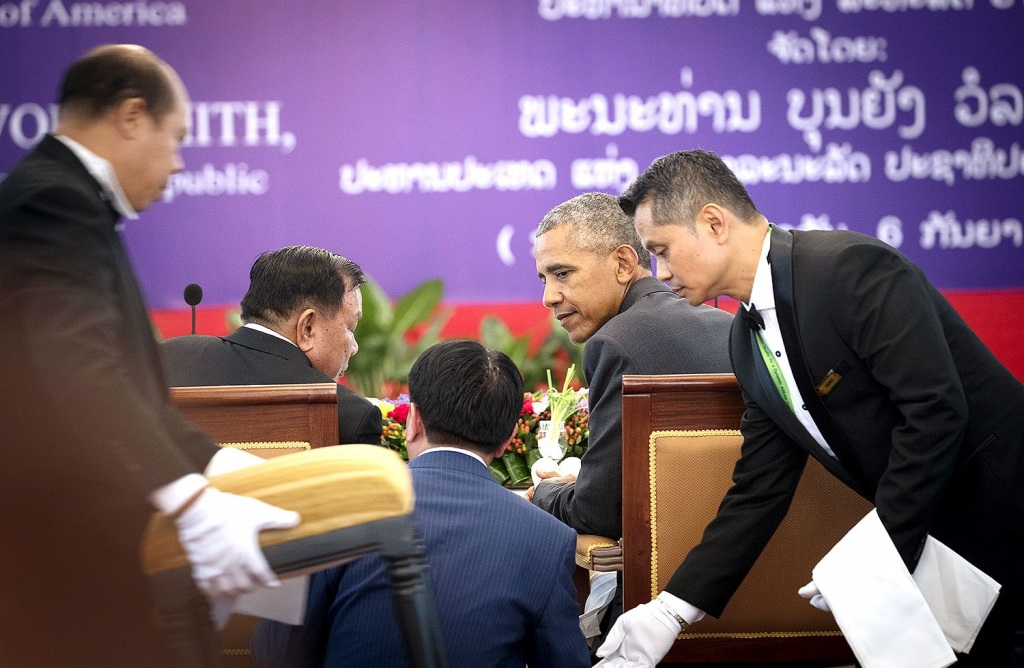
(598, 223)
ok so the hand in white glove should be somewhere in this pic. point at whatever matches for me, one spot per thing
(640, 638)
(813, 595)
(220, 535)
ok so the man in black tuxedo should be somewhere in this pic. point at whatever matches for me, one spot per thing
(845, 352)
(597, 281)
(90, 446)
(300, 315)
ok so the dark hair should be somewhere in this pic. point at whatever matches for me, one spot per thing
(678, 186)
(468, 396)
(598, 225)
(284, 281)
(108, 75)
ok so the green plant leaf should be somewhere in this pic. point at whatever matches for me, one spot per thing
(378, 314)
(417, 306)
(494, 334)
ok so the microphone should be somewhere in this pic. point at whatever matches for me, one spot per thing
(193, 295)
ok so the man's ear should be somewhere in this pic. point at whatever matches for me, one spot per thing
(306, 329)
(715, 220)
(129, 117)
(413, 424)
(500, 450)
(626, 261)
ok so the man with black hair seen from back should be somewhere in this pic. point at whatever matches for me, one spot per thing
(300, 314)
(501, 569)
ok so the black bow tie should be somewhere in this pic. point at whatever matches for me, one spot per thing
(752, 317)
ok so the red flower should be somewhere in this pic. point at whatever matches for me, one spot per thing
(527, 405)
(400, 413)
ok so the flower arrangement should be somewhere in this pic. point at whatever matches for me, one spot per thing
(513, 468)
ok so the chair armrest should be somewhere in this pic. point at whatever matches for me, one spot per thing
(597, 553)
(332, 488)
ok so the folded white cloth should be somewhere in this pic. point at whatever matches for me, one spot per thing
(602, 591)
(958, 594)
(882, 610)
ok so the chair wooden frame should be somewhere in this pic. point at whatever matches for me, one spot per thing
(690, 403)
(266, 420)
(260, 413)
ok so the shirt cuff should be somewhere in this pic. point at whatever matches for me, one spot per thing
(171, 497)
(688, 612)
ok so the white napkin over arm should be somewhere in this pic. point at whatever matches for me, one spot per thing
(889, 617)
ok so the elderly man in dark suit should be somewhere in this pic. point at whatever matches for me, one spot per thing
(501, 569)
(845, 352)
(90, 445)
(300, 315)
(597, 280)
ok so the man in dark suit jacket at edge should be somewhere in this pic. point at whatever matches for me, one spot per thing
(501, 569)
(300, 315)
(90, 445)
(888, 388)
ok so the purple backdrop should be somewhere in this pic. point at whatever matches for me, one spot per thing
(428, 139)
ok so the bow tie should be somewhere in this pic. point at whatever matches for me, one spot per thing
(752, 317)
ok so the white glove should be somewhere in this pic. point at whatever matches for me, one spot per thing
(220, 535)
(811, 593)
(640, 638)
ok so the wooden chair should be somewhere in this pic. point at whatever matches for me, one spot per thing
(263, 413)
(680, 442)
(269, 421)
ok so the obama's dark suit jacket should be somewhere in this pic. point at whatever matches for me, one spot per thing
(655, 332)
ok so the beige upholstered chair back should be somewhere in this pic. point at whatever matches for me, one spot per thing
(691, 473)
(680, 443)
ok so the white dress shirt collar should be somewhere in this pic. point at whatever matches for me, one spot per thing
(102, 171)
(267, 330)
(445, 448)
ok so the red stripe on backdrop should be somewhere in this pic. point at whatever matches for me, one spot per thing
(995, 316)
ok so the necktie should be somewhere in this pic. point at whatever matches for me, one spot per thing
(752, 317)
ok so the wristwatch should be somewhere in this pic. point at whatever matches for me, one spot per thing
(683, 624)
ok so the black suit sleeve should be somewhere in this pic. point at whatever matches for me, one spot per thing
(62, 296)
(593, 504)
(891, 322)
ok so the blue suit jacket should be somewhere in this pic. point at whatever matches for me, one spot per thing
(502, 576)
